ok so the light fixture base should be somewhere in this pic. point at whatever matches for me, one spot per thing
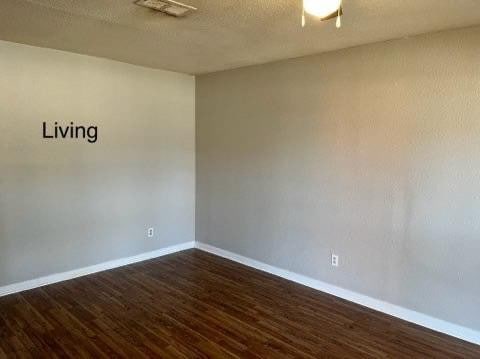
(333, 15)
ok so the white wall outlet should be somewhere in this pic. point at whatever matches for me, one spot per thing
(335, 260)
(150, 232)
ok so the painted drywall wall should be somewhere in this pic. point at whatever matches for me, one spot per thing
(67, 203)
(372, 153)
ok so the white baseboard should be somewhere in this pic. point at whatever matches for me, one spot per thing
(412, 316)
(59, 277)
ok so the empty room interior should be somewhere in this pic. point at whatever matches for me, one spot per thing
(239, 179)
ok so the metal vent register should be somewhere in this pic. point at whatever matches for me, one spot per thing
(168, 7)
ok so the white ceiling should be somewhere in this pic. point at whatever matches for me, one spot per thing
(222, 34)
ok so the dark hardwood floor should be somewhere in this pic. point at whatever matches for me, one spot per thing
(193, 304)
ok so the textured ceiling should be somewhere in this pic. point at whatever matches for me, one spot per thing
(222, 34)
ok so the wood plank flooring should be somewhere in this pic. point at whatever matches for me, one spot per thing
(196, 305)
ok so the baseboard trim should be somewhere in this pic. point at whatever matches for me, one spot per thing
(412, 316)
(60, 277)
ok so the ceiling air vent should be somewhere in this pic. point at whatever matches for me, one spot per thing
(169, 7)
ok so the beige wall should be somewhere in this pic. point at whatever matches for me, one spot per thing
(66, 204)
(371, 152)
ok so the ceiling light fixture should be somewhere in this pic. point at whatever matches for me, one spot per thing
(323, 9)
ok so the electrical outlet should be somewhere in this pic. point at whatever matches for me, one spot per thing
(150, 232)
(334, 260)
